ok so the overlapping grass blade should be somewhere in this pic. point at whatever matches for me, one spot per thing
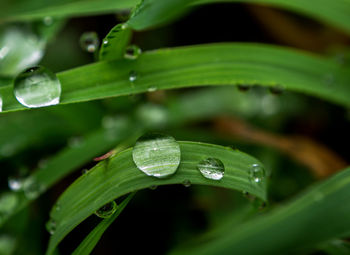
(70, 158)
(119, 176)
(319, 215)
(335, 12)
(213, 64)
(89, 243)
(114, 44)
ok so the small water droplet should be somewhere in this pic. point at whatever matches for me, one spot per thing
(157, 155)
(32, 188)
(51, 226)
(186, 183)
(84, 171)
(37, 87)
(153, 187)
(48, 21)
(257, 173)
(276, 90)
(107, 210)
(152, 89)
(75, 142)
(15, 184)
(132, 52)
(211, 168)
(89, 41)
(243, 87)
(132, 76)
(105, 41)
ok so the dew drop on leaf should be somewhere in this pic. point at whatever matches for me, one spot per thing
(32, 188)
(157, 155)
(257, 173)
(37, 87)
(211, 168)
(152, 89)
(132, 52)
(107, 210)
(132, 76)
(276, 90)
(15, 183)
(51, 226)
(243, 87)
(89, 41)
(48, 21)
(186, 183)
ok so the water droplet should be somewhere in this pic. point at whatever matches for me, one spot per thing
(51, 226)
(276, 90)
(15, 183)
(153, 187)
(257, 173)
(211, 168)
(32, 188)
(8, 202)
(132, 76)
(48, 21)
(89, 41)
(0, 104)
(105, 41)
(186, 183)
(37, 87)
(152, 89)
(75, 142)
(243, 87)
(132, 52)
(107, 210)
(157, 155)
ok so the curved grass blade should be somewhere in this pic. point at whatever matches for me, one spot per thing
(89, 243)
(321, 214)
(35, 9)
(213, 64)
(114, 44)
(119, 176)
(70, 158)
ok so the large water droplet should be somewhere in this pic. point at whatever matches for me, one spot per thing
(211, 168)
(37, 87)
(89, 41)
(51, 226)
(132, 76)
(132, 52)
(257, 173)
(32, 188)
(157, 155)
(107, 210)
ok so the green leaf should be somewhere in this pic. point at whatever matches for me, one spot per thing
(119, 176)
(213, 64)
(34, 9)
(89, 243)
(114, 44)
(318, 215)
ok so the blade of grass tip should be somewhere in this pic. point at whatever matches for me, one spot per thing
(89, 243)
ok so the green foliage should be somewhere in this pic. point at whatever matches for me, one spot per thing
(162, 90)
